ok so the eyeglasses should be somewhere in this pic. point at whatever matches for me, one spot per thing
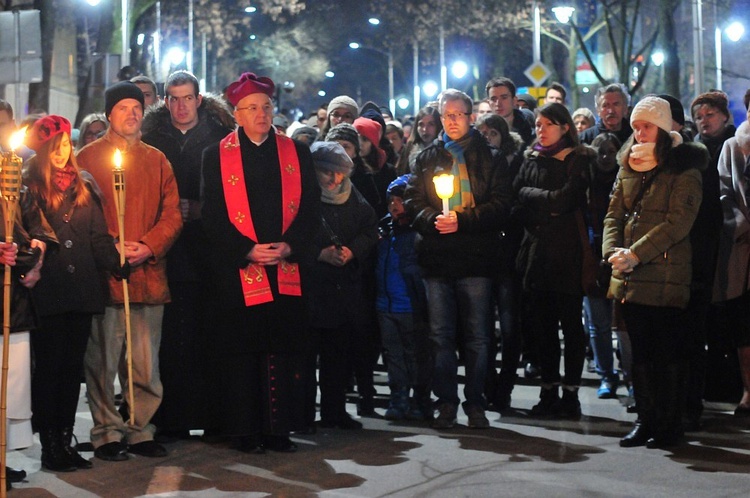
(455, 117)
(254, 108)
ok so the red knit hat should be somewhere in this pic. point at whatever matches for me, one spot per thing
(45, 129)
(248, 84)
(369, 129)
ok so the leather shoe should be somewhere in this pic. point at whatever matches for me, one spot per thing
(281, 444)
(639, 436)
(531, 371)
(15, 475)
(247, 444)
(150, 449)
(113, 452)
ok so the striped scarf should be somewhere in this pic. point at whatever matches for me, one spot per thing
(462, 196)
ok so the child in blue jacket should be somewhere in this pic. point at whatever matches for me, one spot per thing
(402, 312)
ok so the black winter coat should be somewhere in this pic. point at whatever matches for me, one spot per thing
(71, 278)
(337, 294)
(186, 261)
(549, 193)
(472, 250)
(30, 224)
(704, 236)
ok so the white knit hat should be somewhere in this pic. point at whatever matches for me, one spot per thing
(346, 102)
(654, 110)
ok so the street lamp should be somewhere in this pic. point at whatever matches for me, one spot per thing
(430, 88)
(389, 55)
(734, 32)
(563, 13)
(459, 69)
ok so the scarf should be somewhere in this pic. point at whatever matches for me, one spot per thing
(338, 196)
(642, 158)
(462, 196)
(553, 149)
(63, 177)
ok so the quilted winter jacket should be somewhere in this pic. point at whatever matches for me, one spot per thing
(657, 232)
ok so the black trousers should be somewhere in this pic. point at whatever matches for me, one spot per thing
(58, 348)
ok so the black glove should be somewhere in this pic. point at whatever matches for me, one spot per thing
(123, 272)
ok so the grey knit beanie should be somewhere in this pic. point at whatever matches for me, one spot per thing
(346, 102)
(344, 131)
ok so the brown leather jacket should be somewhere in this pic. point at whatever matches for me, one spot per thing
(152, 210)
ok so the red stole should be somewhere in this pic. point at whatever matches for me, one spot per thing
(255, 286)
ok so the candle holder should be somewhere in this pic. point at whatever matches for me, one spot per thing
(444, 189)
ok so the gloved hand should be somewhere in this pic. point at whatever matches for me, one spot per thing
(123, 272)
(623, 260)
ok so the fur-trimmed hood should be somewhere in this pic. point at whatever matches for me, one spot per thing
(213, 106)
(681, 158)
(743, 137)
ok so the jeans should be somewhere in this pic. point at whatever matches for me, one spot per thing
(465, 303)
(508, 297)
(598, 320)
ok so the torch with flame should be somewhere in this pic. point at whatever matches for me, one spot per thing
(10, 188)
(444, 189)
(119, 185)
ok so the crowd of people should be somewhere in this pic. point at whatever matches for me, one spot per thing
(256, 261)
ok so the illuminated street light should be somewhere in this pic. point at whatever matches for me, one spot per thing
(734, 32)
(250, 10)
(430, 88)
(329, 74)
(175, 56)
(459, 69)
(403, 103)
(389, 55)
(93, 3)
(374, 21)
(657, 58)
(563, 13)
(321, 93)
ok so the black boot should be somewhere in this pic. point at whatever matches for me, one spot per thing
(549, 402)
(642, 393)
(75, 457)
(54, 456)
(668, 404)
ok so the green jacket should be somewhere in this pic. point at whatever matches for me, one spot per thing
(657, 230)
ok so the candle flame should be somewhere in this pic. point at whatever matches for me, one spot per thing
(443, 186)
(118, 159)
(16, 139)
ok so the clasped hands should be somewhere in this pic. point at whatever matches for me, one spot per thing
(136, 253)
(336, 257)
(623, 260)
(269, 254)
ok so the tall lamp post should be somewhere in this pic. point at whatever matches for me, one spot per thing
(389, 55)
(124, 28)
(734, 32)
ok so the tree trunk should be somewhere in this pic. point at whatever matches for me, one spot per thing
(669, 45)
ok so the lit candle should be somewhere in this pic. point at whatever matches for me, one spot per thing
(444, 190)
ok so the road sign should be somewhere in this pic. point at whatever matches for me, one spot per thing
(537, 72)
